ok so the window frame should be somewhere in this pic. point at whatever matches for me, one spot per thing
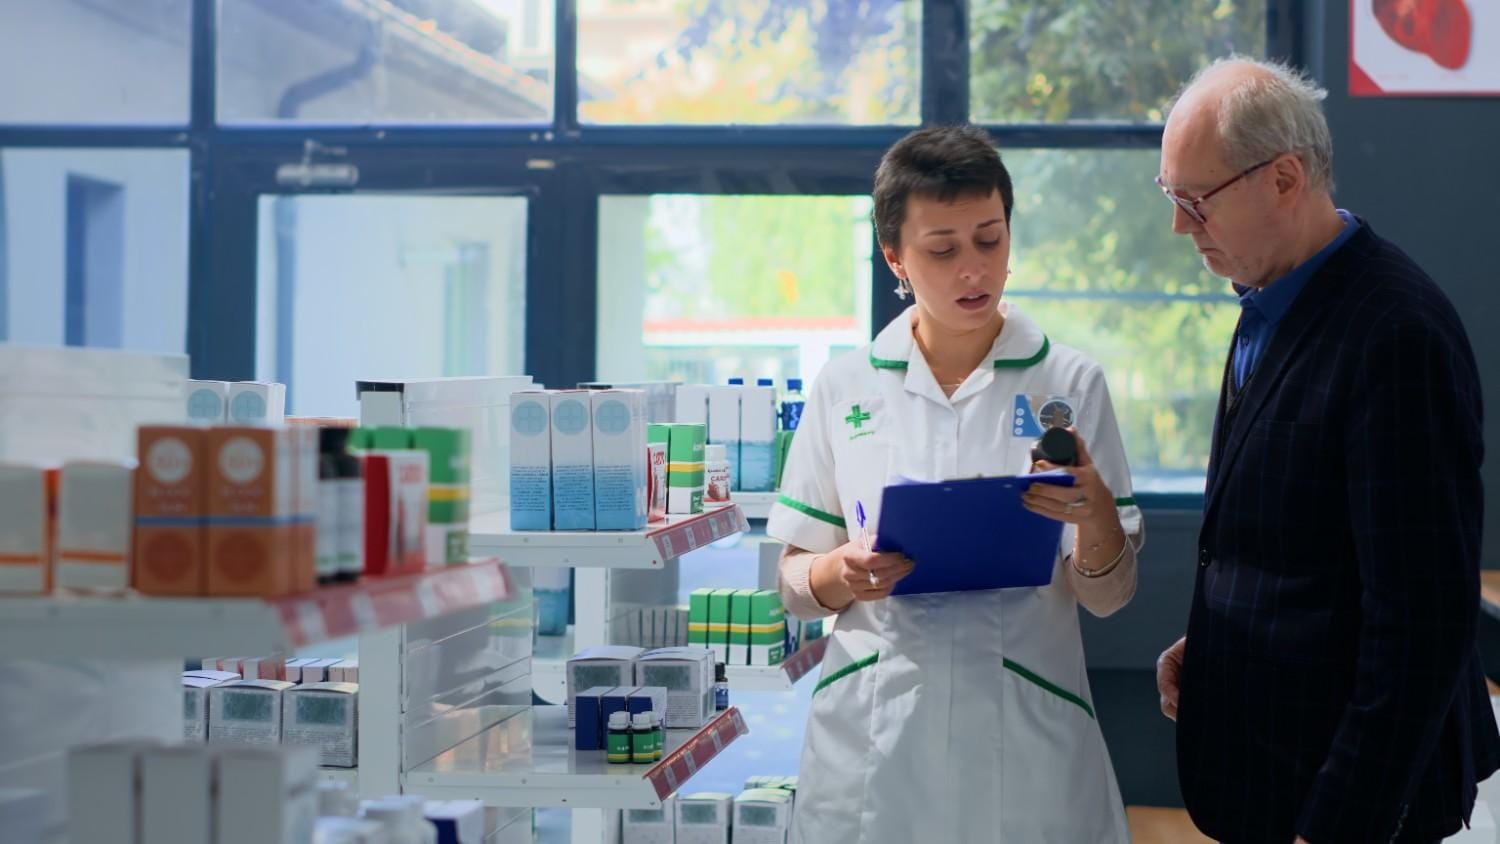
(563, 168)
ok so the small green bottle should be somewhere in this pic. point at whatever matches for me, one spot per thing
(642, 739)
(617, 749)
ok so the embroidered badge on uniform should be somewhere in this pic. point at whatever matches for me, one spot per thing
(858, 420)
(1036, 413)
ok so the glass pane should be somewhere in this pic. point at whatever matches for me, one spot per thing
(1059, 60)
(94, 248)
(357, 287)
(702, 288)
(95, 61)
(1095, 262)
(748, 61)
(386, 61)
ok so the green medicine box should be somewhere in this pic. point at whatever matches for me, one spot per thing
(767, 629)
(697, 635)
(448, 461)
(685, 479)
(718, 623)
(390, 438)
(658, 433)
(739, 627)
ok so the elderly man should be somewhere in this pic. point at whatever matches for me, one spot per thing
(1329, 686)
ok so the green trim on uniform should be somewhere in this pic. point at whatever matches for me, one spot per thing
(857, 665)
(882, 363)
(1066, 695)
(1022, 363)
(1125, 502)
(814, 512)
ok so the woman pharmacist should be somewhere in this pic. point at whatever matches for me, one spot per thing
(960, 717)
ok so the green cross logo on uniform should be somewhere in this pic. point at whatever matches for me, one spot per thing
(857, 417)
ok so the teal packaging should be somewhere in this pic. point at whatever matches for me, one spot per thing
(572, 460)
(530, 461)
(757, 439)
(619, 459)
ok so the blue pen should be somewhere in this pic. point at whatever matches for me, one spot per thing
(864, 536)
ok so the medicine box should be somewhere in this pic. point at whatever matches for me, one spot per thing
(323, 716)
(395, 511)
(246, 712)
(687, 674)
(177, 799)
(447, 492)
(620, 459)
(207, 402)
(606, 665)
(94, 525)
(685, 478)
(704, 818)
(762, 816)
(767, 628)
(692, 404)
(719, 603)
(530, 461)
(572, 461)
(724, 427)
(757, 439)
(650, 826)
(273, 795)
(25, 529)
(249, 506)
(171, 503)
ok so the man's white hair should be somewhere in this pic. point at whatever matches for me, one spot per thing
(1263, 115)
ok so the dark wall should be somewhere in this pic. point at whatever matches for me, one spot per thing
(1425, 173)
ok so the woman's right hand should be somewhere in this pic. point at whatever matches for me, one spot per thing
(844, 575)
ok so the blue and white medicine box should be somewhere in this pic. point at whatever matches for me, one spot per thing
(757, 440)
(572, 460)
(724, 426)
(530, 461)
(620, 468)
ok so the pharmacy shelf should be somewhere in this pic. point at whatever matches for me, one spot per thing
(757, 505)
(529, 760)
(777, 678)
(1489, 592)
(639, 549)
(145, 627)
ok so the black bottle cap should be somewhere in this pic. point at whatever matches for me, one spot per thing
(1057, 447)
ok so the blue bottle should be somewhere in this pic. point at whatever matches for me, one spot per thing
(791, 406)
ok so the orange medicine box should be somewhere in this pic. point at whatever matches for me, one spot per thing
(250, 494)
(171, 500)
(29, 493)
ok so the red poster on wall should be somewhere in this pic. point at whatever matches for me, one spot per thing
(1424, 48)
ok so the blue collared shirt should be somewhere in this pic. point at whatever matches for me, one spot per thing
(1261, 310)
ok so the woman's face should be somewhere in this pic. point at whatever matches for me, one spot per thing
(955, 255)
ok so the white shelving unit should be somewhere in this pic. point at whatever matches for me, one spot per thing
(756, 505)
(777, 678)
(549, 666)
(529, 760)
(142, 627)
(638, 549)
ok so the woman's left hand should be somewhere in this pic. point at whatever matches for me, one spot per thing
(1086, 501)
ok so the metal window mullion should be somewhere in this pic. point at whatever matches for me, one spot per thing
(945, 61)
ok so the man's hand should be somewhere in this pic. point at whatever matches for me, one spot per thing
(1169, 677)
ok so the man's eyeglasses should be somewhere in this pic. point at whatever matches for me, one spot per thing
(1191, 205)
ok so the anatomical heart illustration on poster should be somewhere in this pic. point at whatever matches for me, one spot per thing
(1424, 48)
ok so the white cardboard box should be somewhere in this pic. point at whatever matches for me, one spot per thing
(102, 784)
(324, 716)
(267, 795)
(207, 401)
(619, 459)
(23, 529)
(257, 403)
(94, 525)
(724, 426)
(195, 686)
(246, 712)
(607, 665)
(692, 404)
(23, 815)
(572, 461)
(703, 818)
(757, 439)
(650, 826)
(531, 461)
(177, 797)
(688, 676)
(762, 816)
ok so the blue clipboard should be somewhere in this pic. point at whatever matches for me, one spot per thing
(969, 535)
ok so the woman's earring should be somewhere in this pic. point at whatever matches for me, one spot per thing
(903, 289)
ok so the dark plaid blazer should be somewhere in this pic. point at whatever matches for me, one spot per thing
(1332, 685)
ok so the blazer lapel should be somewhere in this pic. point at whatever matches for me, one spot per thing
(1235, 417)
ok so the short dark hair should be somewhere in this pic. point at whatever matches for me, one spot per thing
(941, 162)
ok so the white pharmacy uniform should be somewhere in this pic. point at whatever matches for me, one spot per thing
(950, 717)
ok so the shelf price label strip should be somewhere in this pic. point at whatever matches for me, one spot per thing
(669, 774)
